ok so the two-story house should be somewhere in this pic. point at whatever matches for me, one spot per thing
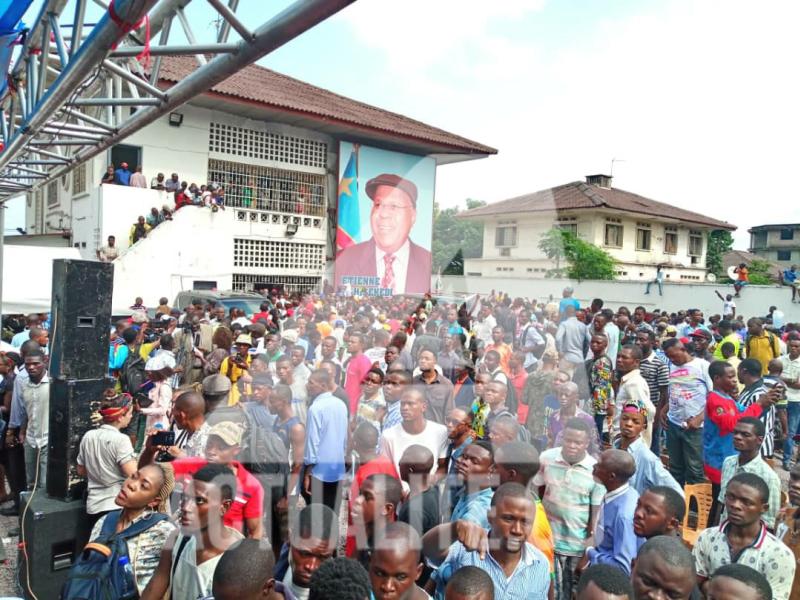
(639, 233)
(778, 243)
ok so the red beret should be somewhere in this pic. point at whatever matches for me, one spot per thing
(392, 181)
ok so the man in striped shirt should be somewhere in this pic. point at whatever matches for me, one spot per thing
(749, 374)
(656, 373)
(571, 499)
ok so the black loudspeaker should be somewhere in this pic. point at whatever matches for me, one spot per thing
(80, 319)
(53, 532)
(71, 406)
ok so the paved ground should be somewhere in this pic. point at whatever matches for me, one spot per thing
(8, 567)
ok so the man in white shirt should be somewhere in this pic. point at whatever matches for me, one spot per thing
(633, 389)
(484, 325)
(30, 417)
(415, 429)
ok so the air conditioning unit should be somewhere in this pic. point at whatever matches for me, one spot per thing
(505, 251)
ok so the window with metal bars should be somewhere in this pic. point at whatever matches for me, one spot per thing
(52, 194)
(695, 243)
(266, 254)
(79, 179)
(243, 282)
(266, 188)
(264, 145)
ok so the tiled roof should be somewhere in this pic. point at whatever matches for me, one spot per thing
(578, 195)
(260, 85)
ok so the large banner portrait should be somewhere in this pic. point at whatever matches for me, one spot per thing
(385, 222)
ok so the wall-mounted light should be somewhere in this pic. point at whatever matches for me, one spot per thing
(175, 119)
(291, 228)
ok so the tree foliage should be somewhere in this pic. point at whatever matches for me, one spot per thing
(720, 242)
(760, 273)
(455, 239)
(581, 260)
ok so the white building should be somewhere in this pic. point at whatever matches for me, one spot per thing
(638, 232)
(259, 130)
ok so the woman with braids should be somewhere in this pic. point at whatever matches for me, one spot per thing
(143, 494)
(222, 340)
(106, 455)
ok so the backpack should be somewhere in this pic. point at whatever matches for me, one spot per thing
(131, 374)
(103, 570)
(263, 451)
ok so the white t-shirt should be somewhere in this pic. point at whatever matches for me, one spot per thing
(728, 306)
(396, 440)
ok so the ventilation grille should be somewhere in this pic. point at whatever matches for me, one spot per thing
(240, 141)
(270, 254)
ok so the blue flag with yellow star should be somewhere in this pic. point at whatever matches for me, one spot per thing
(349, 224)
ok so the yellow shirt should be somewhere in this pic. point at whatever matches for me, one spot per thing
(542, 536)
(763, 348)
(233, 373)
(733, 339)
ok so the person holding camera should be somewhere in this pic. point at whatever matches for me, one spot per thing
(237, 364)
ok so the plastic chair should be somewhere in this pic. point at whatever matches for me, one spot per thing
(703, 499)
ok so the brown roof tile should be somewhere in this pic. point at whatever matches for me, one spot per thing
(578, 195)
(264, 86)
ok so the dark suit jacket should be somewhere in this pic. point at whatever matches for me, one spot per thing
(360, 260)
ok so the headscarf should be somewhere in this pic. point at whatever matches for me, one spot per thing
(115, 406)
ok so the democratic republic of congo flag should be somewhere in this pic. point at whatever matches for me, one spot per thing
(349, 223)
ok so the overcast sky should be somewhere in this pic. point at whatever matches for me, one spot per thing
(696, 99)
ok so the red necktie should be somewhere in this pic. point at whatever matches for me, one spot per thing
(388, 273)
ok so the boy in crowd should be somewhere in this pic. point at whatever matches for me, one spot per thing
(516, 568)
(617, 544)
(664, 569)
(373, 509)
(659, 511)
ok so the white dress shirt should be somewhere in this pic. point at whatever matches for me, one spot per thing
(399, 266)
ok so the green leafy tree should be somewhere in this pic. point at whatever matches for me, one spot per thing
(720, 242)
(760, 273)
(455, 239)
(583, 260)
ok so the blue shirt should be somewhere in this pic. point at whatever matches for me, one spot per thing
(474, 507)
(122, 176)
(616, 543)
(789, 276)
(564, 303)
(530, 579)
(20, 338)
(326, 438)
(453, 484)
(650, 471)
(392, 416)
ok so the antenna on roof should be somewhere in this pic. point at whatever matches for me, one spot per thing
(613, 160)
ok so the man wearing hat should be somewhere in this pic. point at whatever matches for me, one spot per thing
(700, 339)
(122, 176)
(389, 254)
(223, 446)
(235, 365)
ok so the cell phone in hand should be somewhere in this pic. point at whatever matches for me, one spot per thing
(163, 438)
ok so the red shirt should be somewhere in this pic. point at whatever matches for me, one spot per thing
(249, 500)
(357, 368)
(518, 381)
(378, 465)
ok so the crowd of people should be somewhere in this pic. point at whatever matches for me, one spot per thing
(399, 448)
(210, 195)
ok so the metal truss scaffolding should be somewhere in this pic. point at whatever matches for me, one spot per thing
(71, 86)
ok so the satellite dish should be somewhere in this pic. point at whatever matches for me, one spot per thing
(710, 277)
(732, 273)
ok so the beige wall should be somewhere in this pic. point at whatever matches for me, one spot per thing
(527, 260)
